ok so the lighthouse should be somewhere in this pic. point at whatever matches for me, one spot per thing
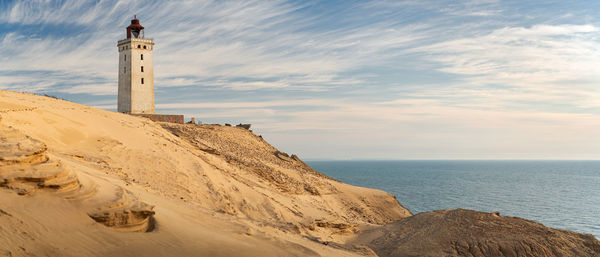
(136, 72)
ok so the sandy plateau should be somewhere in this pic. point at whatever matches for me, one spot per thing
(80, 181)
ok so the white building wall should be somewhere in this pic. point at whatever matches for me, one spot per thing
(135, 97)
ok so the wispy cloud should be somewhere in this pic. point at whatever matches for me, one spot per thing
(548, 63)
(388, 78)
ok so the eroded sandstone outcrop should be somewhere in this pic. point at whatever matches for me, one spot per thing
(26, 167)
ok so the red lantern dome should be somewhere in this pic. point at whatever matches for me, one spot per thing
(135, 28)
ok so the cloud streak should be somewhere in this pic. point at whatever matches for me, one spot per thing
(379, 79)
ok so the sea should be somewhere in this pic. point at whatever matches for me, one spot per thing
(559, 194)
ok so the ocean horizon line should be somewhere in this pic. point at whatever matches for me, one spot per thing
(390, 160)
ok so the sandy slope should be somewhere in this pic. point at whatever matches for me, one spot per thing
(213, 190)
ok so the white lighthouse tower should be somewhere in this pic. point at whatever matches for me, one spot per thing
(136, 72)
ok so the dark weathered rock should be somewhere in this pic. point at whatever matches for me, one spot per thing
(471, 233)
(244, 126)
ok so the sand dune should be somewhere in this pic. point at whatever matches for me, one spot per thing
(75, 177)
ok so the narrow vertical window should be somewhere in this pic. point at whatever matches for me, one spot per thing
(142, 80)
(142, 56)
(124, 57)
(142, 68)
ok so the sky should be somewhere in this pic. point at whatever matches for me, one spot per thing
(343, 80)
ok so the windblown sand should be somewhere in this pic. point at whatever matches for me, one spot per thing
(80, 181)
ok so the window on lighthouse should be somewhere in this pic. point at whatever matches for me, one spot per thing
(142, 56)
(142, 68)
(142, 80)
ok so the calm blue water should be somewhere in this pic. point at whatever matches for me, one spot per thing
(559, 194)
